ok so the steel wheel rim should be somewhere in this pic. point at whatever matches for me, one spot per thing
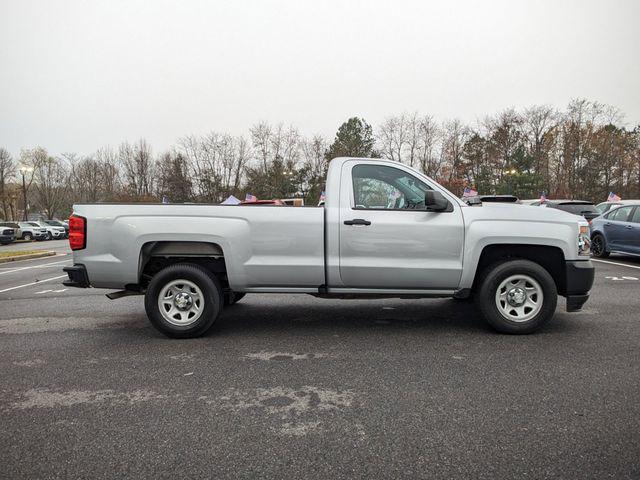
(519, 298)
(181, 302)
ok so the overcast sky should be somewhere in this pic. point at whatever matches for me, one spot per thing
(78, 75)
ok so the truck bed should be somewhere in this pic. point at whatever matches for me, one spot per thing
(282, 247)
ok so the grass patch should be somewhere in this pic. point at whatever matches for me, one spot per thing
(18, 253)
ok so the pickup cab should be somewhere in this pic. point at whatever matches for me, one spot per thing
(385, 230)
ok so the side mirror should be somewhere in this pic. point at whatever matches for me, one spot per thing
(435, 201)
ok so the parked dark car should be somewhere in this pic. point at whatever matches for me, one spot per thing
(618, 230)
(7, 235)
(578, 207)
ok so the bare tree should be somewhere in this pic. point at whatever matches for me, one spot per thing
(393, 137)
(50, 175)
(137, 163)
(454, 137)
(427, 135)
(7, 172)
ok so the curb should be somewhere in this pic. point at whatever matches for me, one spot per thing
(45, 253)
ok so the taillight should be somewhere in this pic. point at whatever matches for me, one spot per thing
(77, 232)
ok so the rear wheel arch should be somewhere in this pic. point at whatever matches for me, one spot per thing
(155, 256)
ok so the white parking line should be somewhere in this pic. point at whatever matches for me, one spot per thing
(52, 291)
(2, 272)
(32, 283)
(616, 263)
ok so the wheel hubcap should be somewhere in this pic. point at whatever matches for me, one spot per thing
(181, 302)
(516, 296)
(519, 298)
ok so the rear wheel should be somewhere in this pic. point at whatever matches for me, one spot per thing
(183, 300)
(599, 246)
(517, 296)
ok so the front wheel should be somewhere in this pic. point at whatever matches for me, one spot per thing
(183, 300)
(27, 236)
(599, 246)
(517, 296)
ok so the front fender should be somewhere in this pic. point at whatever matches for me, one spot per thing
(482, 233)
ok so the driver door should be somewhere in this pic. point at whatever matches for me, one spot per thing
(388, 239)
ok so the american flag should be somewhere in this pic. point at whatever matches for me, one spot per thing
(543, 197)
(613, 197)
(250, 198)
(469, 192)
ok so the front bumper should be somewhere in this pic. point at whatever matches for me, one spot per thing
(579, 275)
(77, 276)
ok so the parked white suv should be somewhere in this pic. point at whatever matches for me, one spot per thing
(32, 231)
(52, 231)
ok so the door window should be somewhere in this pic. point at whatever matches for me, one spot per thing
(620, 214)
(635, 218)
(379, 187)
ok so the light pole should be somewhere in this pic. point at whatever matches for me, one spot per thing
(23, 169)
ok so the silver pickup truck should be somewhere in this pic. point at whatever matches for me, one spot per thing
(385, 230)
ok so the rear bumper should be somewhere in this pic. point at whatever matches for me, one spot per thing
(77, 276)
(579, 277)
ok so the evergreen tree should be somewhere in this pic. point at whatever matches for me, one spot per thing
(353, 139)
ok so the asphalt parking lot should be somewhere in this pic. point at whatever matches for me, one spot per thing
(298, 387)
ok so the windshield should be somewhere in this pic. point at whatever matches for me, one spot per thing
(33, 224)
(55, 223)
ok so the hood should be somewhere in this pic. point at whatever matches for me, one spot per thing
(518, 212)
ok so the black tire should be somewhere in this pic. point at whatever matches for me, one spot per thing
(491, 280)
(211, 293)
(27, 236)
(231, 298)
(49, 236)
(599, 246)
